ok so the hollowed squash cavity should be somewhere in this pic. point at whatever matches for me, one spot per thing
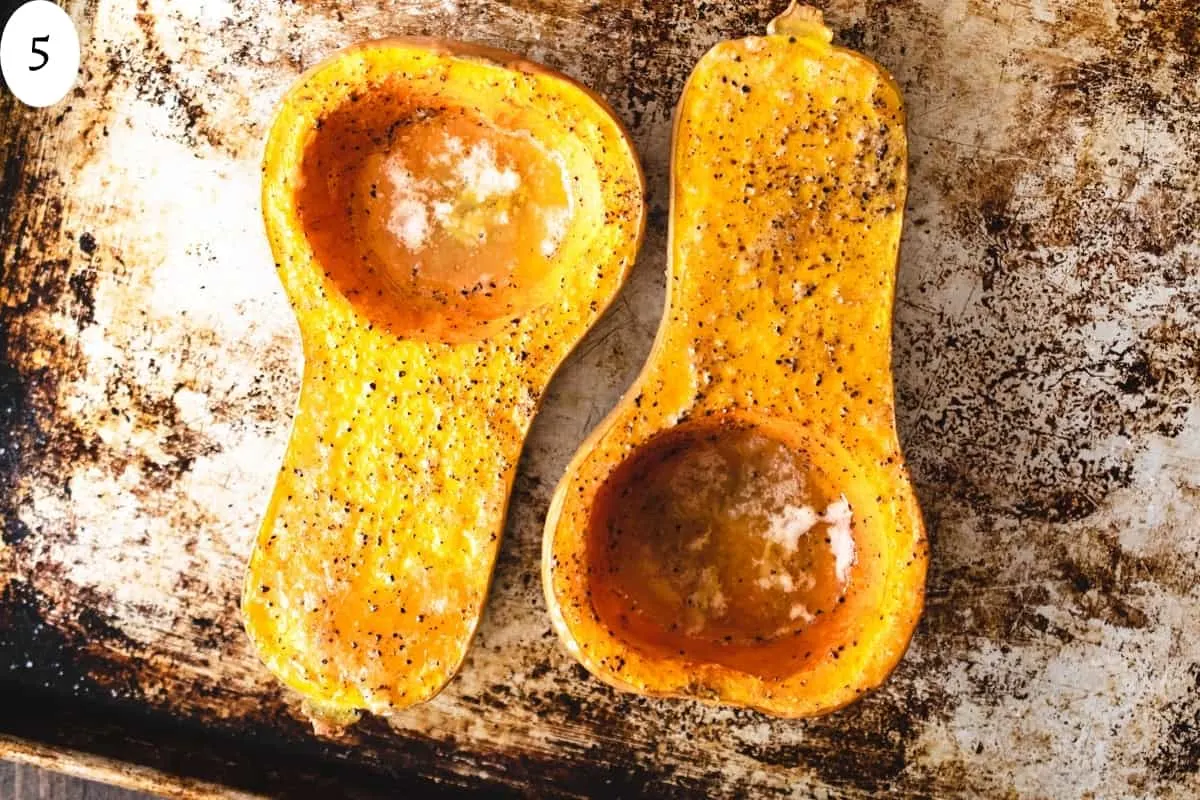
(741, 529)
(447, 222)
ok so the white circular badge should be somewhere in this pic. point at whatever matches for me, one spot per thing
(39, 53)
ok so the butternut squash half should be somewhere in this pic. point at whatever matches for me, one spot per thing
(741, 529)
(447, 221)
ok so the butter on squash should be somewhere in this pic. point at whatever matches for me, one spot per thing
(447, 221)
(741, 529)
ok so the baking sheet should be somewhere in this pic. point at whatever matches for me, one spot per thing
(1047, 360)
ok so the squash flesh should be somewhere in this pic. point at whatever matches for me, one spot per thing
(788, 185)
(375, 555)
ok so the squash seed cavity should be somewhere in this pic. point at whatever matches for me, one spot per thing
(718, 535)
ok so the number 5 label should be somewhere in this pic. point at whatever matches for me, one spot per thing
(39, 53)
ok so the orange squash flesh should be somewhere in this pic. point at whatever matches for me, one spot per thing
(447, 221)
(741, 529)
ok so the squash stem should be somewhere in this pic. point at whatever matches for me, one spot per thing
(801, 21)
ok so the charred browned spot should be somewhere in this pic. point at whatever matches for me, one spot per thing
(1178, 753)
(1055, 506)
(1090, 575)
(1026, 401)
(160, 85)
(15, 531)
(855, 37)
(68, 443)
(41, 650)
(867, 746)
(1108, 580)
(260, 400)
(27, 287)
(1140, 39)
(867, 758)
(181, 443)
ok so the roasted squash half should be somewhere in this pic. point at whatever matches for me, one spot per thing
(741, 529)
(447, 221)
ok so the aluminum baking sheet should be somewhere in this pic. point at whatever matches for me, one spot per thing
(1047, 359)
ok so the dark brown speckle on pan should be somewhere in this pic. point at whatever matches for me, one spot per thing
(1047, 369)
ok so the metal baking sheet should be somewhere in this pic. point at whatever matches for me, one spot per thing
(1047, 359)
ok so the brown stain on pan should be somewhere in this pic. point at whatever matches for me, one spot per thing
(1046, 364)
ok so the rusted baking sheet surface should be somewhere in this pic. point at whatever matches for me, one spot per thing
(1047, 360)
